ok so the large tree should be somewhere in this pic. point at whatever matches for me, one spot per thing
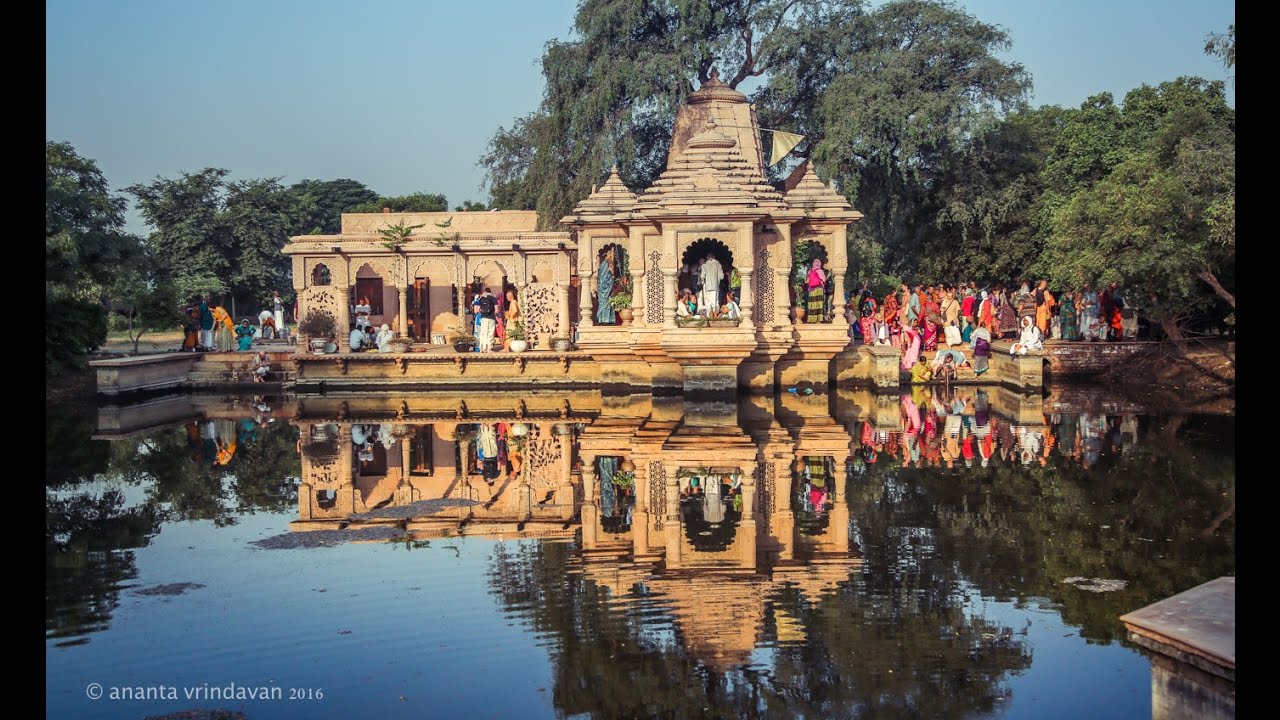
(190, 240)
(331, 198)
(212, 236)
(415, 202)
(915, 81)
(880, 96)
(612, 91)
(1150, 202)
(84, 245)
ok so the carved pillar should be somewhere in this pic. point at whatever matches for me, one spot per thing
(839, 525)
(669, 297)
(782, 297)
(403, 318)
(565, 325)
(344, 320)
(635, 253)
(640, 515)
(590, 501)
(672, 526)
(749, 538)
(746, 302)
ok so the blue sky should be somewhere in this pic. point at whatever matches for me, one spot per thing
(404, 96)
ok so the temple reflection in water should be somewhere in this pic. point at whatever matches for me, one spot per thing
(730, 500)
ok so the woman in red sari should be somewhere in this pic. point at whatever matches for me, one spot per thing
(891, 308)
(867, 316)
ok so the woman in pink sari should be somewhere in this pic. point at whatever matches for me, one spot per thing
(910, 344)
(930, 335)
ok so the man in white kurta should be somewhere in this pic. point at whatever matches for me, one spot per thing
(710, 274)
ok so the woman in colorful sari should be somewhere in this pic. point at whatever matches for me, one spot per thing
(1089, 313)
(1045, 303)
(981, 350)
(987, 313)
(891, 308)
(1068, 317)
(244, 336)
(867, 316)
(1006, 316)
(930, 342)
(605, 314)
(816, 307)
(910, 344)
(224, 328)
(1026, 305)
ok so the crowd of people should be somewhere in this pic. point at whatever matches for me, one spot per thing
(924, 318)
(950, 314)
(946, 427)
(208, 326)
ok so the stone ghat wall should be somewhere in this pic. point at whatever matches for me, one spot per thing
(1084, 359)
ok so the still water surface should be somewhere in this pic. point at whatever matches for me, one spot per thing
(960, 554)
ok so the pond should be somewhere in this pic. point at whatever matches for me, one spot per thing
(935, 553)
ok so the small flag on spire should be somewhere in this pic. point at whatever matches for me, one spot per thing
(783, 143)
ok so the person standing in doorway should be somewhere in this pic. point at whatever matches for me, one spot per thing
(487, 304)
(709, 276)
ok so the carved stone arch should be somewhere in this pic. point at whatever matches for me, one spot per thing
(486, 268)
(434, 268)
(543, 269)
(389, 272)
(310, 264)
(817, 248)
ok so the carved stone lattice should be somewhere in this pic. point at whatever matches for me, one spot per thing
(763, 312)
(323, 298)
(321, 474)
(540, 313)
(657, 493)
(768, 491)
(653, 289)
(542, 461)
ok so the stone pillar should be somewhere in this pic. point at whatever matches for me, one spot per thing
(590, 501)
(837, 303)
(747, 300)
(672, 526)
(781, 296)
(749, 539)
(564, 323)
(669, 276)
(839, 524)
(344, 322)
(640, 516)
(402, 320)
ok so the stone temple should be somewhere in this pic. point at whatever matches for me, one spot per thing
(712, 199)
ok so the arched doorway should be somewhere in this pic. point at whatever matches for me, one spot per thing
(710, 507)
(613, 277)
(818, 307)
(691, 278)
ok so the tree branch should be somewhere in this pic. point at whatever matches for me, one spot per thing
(1212, 280)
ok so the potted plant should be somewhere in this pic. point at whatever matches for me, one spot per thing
(561, 344)
(515, 334)
(462, 340)
(321, 451)
(318, 327)
(624, 479)
(621, 304)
